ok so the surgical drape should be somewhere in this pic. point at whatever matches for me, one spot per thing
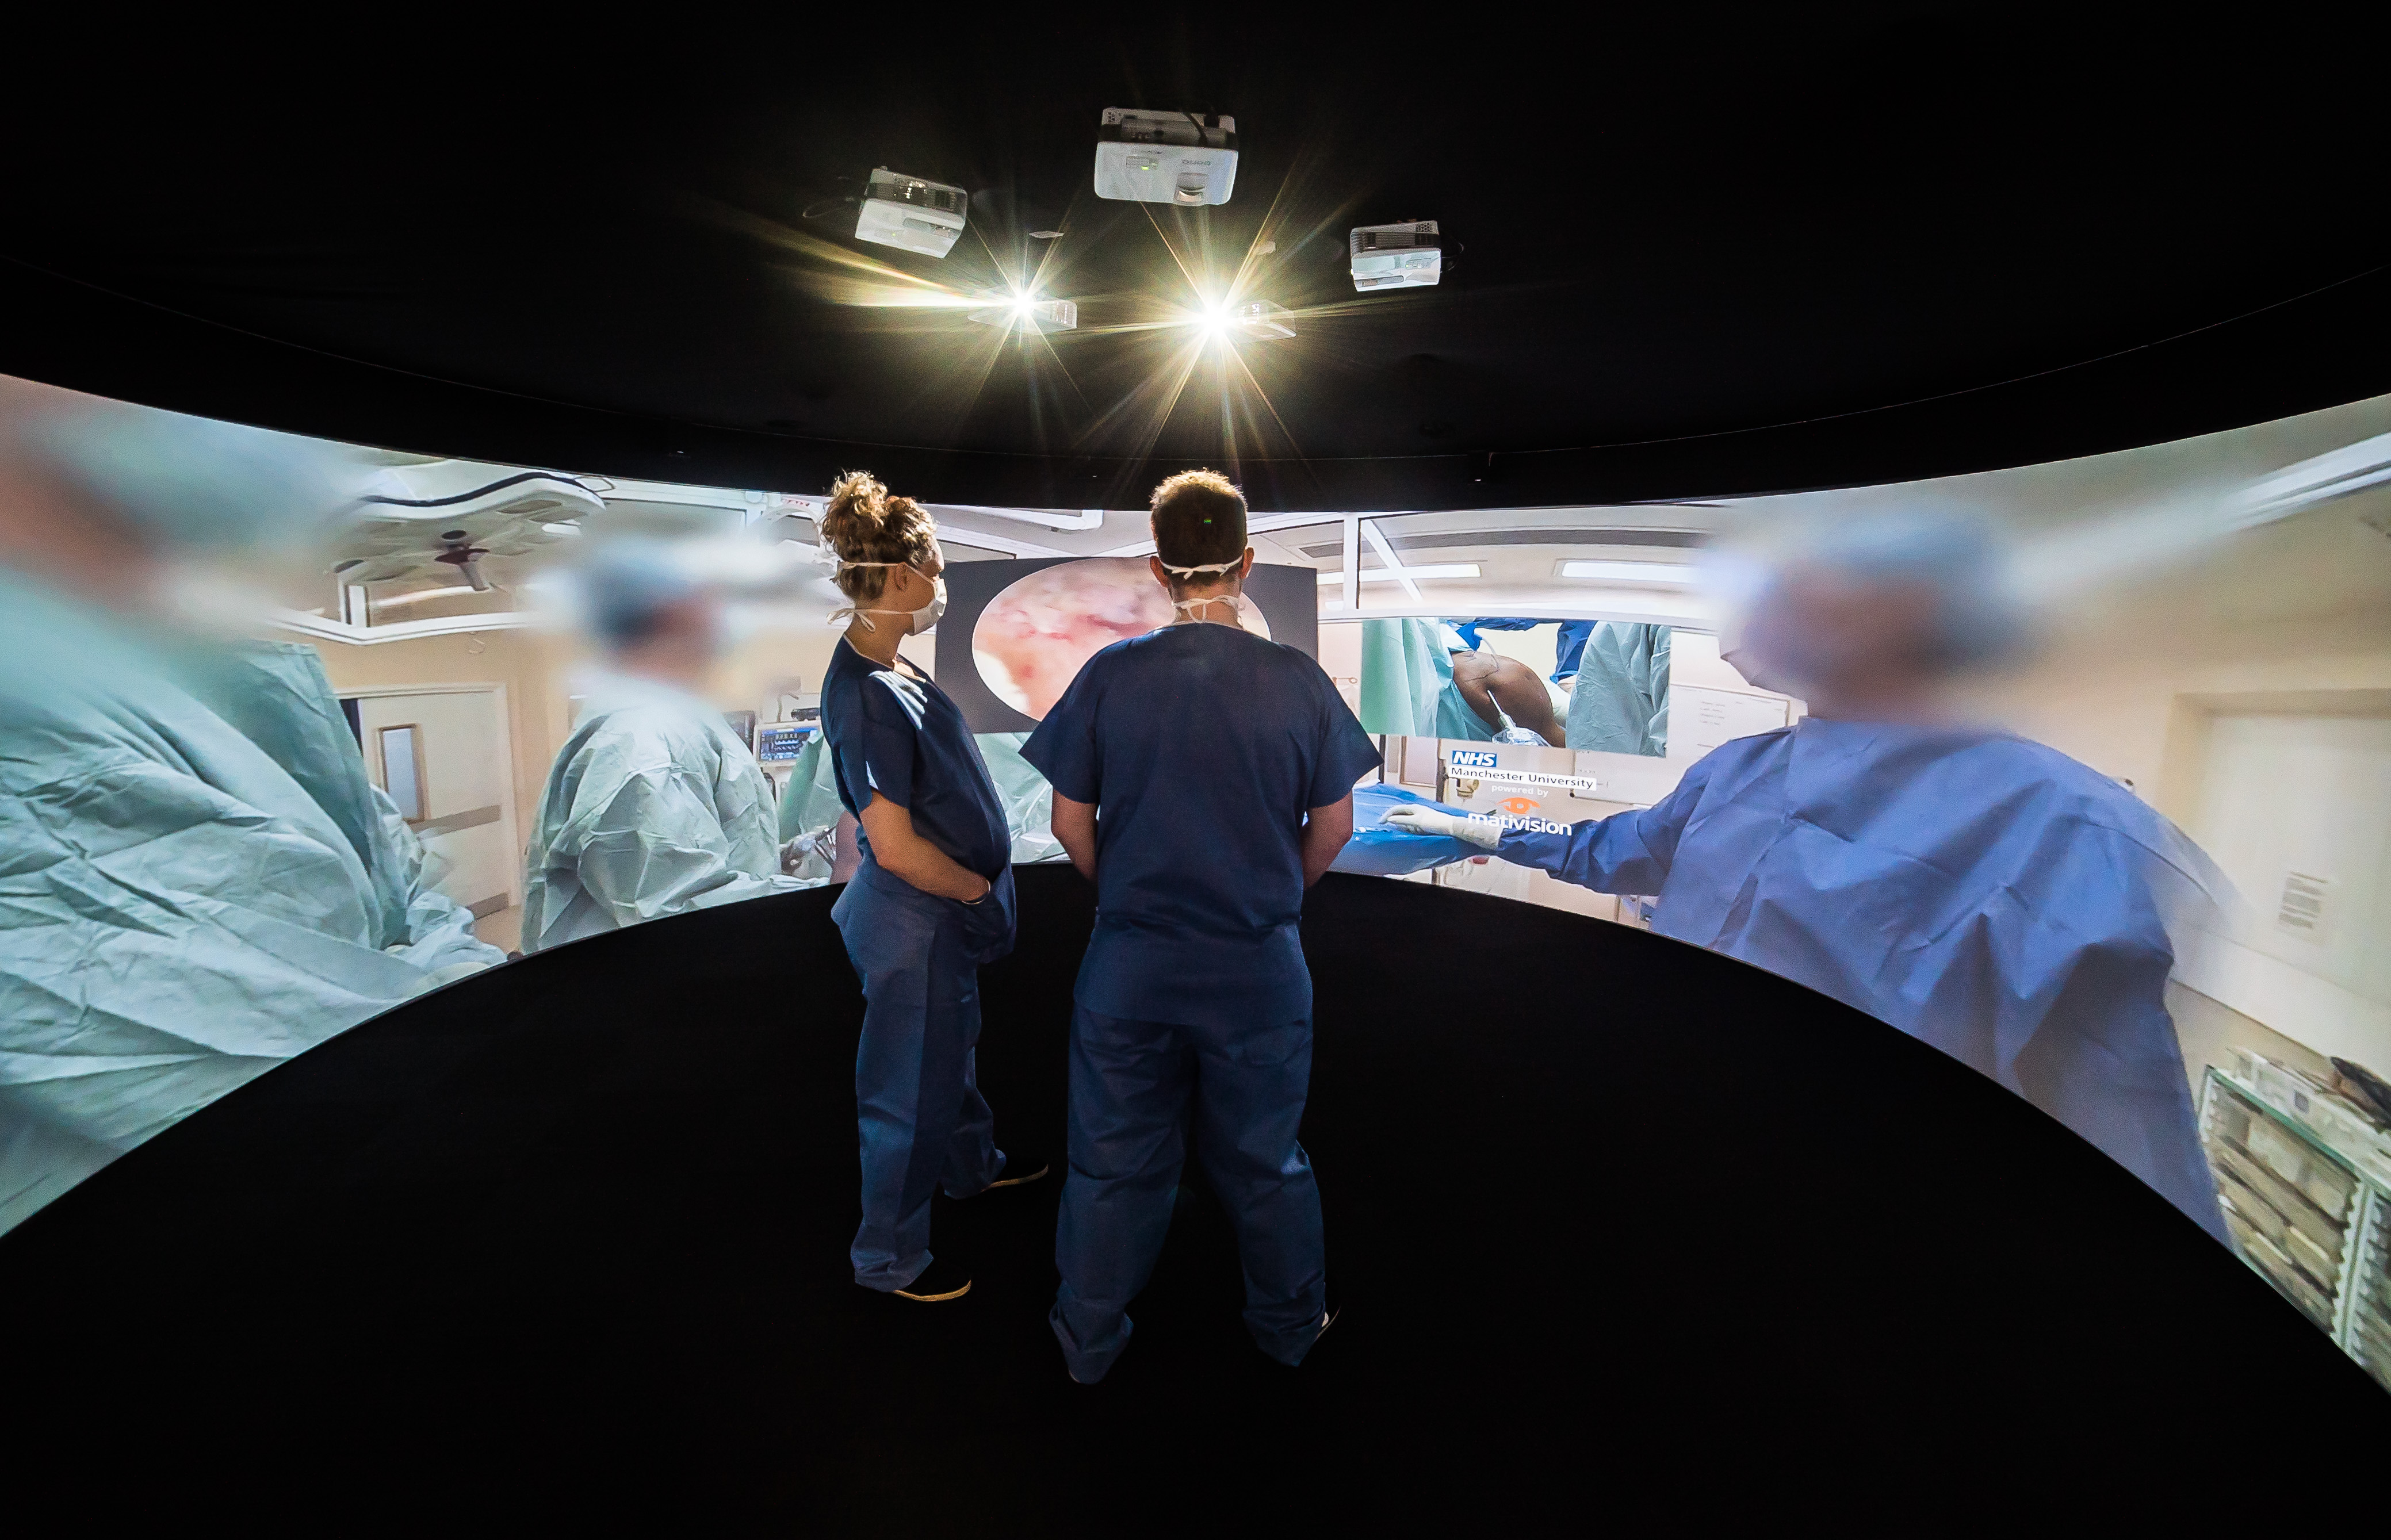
(179, 913)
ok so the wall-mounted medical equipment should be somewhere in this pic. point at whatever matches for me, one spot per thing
(780, 745)
(2304, 1180)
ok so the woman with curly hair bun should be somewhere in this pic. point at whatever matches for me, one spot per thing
(932, 899)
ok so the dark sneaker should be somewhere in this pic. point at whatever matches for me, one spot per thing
(941, 1281)
(1333, 1307)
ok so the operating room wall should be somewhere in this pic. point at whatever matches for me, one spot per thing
(750, 673)
(533, 666)
(2285, 623)
(537, 667)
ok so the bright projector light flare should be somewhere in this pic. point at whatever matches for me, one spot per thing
(1027, 313)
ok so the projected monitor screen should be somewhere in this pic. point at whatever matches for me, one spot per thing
(1017, 633)
(780, 741)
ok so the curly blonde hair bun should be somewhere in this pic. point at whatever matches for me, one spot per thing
(864, 523)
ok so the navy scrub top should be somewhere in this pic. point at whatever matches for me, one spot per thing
(1203, 747)
(893, 732)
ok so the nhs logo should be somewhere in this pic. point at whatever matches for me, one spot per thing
(1472, 758)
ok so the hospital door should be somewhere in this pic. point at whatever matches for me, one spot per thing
(443, 756)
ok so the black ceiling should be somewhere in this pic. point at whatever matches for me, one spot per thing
(1731, 254)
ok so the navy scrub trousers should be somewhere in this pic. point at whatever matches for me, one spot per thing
(921, 1120)
(1130, 1083)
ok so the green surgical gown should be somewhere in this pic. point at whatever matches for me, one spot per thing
(653, 808)
(1620, 702)
(179, 910)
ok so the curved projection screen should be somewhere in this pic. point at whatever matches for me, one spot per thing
(225, 642)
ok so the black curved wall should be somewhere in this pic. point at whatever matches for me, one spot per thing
(1620, 1224)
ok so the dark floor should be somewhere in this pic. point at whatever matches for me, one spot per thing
(1621, 1227)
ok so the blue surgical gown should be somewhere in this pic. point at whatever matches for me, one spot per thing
(1989, 896)
(180, 909)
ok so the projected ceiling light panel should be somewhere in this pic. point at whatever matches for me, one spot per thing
(911, 213)
(1187, 158)
(1409, 255)
(1676, 575)
(1396, 575)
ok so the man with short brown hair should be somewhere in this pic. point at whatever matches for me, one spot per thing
(1203, 779)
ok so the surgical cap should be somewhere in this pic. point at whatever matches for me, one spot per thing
(1977, 615)
(188, 483)
(626, 586)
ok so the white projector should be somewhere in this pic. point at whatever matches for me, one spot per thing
(1261, 320)
(1027, 313)
(911, 213)
(1397, 257)
(1189, 158)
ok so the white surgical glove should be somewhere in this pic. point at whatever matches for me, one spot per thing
(1484, 833)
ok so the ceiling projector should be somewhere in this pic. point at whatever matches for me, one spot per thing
(1029, 314)
(1397, 257)
(1189, 158)
(911, 213)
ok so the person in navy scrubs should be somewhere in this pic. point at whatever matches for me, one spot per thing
(1203, 779)
(931, 900)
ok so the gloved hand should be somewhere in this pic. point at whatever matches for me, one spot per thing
(1484, 833)
(812, 854)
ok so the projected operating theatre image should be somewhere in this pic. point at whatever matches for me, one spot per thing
(1030, 640)
(1201, 771)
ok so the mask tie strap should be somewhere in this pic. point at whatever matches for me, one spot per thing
(1189, 606)
(828, 557)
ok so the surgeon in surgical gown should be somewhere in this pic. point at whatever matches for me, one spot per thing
(1618, 697)
(653, 807)
(1983, 893)
(196, 880)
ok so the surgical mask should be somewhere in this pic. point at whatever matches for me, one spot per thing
(917, 621)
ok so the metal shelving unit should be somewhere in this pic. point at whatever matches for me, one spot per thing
(2306, 1194)
(2367, 1334)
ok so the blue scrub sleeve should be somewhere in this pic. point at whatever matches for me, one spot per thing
(892, 724)
(1064, 750)
(1628, 852)
(1570, 647)
(1346, 752)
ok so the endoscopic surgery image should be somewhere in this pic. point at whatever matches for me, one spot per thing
(1032, 637)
